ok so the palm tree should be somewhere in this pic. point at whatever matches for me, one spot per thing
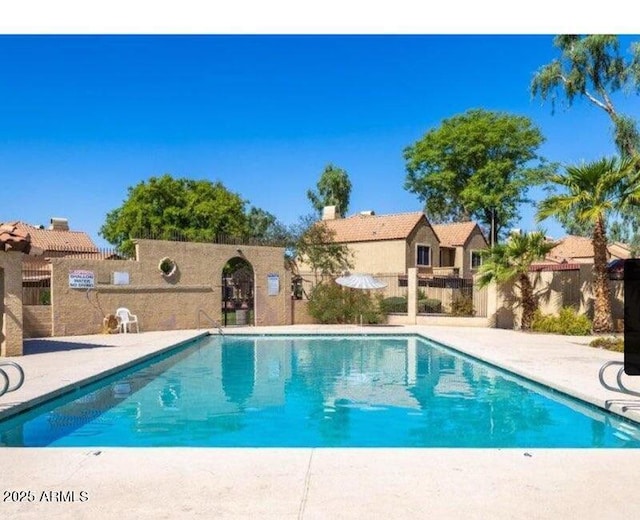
(593, 192)
(510, 262)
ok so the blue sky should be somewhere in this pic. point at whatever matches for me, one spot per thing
(84, 117)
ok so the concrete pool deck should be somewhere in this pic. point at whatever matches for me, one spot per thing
(323, 483)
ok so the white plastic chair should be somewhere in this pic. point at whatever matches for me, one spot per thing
(126, 319)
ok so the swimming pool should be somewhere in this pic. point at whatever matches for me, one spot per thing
(320, 391)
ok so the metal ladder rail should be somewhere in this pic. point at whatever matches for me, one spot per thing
(215, 323)
(621, 387)
(5, 379)
(7, 387)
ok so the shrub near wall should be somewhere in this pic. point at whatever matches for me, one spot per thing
(393, 304)
(430, 306)
(567, 322)
(462, 306)
(330, 303)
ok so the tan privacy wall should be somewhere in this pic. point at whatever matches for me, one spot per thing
(10, 304)
(554, 290)
(36, 321)
(179, 302)
(300, 313)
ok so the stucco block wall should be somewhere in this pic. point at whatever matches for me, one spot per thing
(300, 312)
(554, 290)
(161, 303)
(10, 304)
(37, 321)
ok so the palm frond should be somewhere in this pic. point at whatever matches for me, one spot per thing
(592, 190)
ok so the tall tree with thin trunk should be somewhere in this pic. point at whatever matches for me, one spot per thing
(316, 247)
(592, 192)
(510, 262)
(592, 67)
(333, 189)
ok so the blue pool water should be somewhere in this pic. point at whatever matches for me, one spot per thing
(317, 391)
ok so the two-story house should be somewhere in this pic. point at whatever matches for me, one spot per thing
(460, 246)
(386, 243)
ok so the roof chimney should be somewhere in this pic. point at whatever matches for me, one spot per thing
(59, 224)
(330, 213)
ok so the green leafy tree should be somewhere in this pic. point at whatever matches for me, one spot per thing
(591, 193)
(333, 189)
(264, 226)
(315, 246)
(476, 165)
(592, 67)
(510, 262)
(164, 207)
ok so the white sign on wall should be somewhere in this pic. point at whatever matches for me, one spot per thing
(273, 284)
(120, 278)
(79, 279)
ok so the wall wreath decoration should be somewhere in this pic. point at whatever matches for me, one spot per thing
(167, 266)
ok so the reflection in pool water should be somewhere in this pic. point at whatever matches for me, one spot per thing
(317, 391)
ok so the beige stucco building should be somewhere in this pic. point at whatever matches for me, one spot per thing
(460, 246)
(391, 244)
(386, 243)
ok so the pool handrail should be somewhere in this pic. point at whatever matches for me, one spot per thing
(5, 379)
(7, 387)
(621, 388)
(215, 323)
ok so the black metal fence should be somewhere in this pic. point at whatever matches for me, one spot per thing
(36, 271)
(449, 296)
(36, 283)
(212, 238)
(99, 253)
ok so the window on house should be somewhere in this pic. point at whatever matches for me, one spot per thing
(423, 255)
(476, 259)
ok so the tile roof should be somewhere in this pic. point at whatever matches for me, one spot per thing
(454, 234)
(569, 248)
(581, 247)
(573, 247)
(56, 240)
(365, 228)
(620, 250)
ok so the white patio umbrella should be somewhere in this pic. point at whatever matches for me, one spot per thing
(360, 281)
